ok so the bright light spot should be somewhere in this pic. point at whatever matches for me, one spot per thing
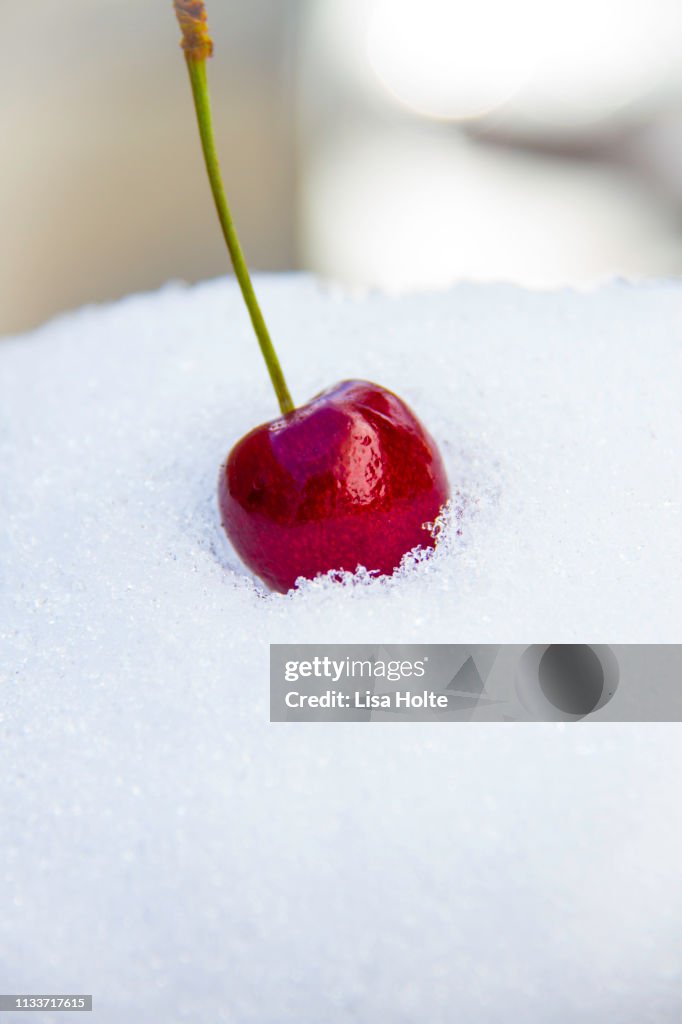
(595, 57)
(566, 62)
(448, 58)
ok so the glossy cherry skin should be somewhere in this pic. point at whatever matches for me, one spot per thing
(349, 479)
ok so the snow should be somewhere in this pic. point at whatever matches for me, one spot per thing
(168, 849)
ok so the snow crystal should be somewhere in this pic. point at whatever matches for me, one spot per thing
(168, 849)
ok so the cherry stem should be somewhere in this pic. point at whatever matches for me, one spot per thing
(199, 81)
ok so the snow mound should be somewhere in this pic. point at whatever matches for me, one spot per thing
(165, 847)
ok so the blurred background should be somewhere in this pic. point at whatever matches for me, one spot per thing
(383, 143)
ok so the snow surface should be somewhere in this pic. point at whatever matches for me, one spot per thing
(165, 847)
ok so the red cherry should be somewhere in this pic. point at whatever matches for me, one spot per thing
(348, 479)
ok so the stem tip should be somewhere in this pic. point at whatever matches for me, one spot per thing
(196, 41)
